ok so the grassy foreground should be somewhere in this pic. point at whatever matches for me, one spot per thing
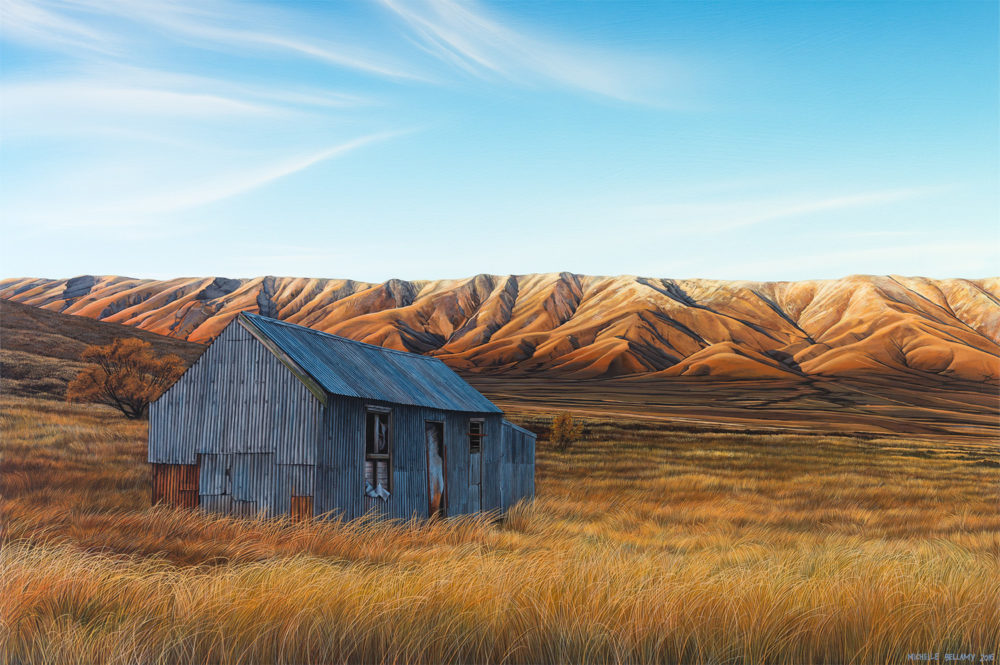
(642, 546)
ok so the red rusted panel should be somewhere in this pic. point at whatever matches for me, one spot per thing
(176, 484)
(301, 507)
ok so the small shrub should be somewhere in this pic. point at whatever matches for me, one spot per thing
(564, 432)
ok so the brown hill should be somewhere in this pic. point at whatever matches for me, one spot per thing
(578, 326)
(40, 350)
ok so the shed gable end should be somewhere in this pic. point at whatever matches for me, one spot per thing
(239, 397)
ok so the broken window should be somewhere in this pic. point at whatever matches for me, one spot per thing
(476, 436)
(377, 453)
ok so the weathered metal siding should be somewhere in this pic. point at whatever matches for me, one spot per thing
(494, 451)
(340, 469)
(340, 473)
(216, 475)
(292, 480)
(340, 484)
(518, 465)
(456, 458)
(253, 480)
(251, 422)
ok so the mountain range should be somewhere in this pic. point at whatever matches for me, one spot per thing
(585, 327)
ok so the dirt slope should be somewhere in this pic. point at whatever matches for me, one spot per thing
(40, 350)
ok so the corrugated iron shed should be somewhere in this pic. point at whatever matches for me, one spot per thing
(355, 369)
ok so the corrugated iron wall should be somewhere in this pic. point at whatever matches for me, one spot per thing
(340, 474)
(518, 465)
(341, 479)
(250, 422)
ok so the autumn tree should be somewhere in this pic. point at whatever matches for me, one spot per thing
(564, 432)
(125, 374)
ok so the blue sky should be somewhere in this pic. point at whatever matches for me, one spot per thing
(426, 140)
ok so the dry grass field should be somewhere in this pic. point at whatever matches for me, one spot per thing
(644, 545)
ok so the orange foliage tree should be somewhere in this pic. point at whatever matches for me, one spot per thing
(126, 374)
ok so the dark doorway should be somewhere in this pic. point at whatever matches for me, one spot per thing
(434, 434)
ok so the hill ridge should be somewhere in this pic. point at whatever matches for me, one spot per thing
(587, 326)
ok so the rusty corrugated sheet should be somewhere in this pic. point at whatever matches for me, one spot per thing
(301, 508)
(175, 484)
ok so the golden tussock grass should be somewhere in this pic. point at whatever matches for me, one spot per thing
(643, 546)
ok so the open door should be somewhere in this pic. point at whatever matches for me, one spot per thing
(434, 433)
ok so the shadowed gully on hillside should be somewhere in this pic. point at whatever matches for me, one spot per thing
(578, 326)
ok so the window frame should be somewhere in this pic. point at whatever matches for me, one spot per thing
(480, 435)
(379, 457)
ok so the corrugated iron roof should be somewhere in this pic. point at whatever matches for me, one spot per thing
(355, 369)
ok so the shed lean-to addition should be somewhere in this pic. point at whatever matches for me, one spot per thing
(278, 419)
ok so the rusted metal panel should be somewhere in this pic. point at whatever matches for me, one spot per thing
(301, 508)
(175, 484)
(292, 480)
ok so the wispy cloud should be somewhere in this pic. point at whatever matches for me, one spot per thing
(701, 218)
(31, 23)
(132, 124)
(220, 25)
(464, 35)
(27, 101)
(285, 93)
(233, 184)
(178, 195)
